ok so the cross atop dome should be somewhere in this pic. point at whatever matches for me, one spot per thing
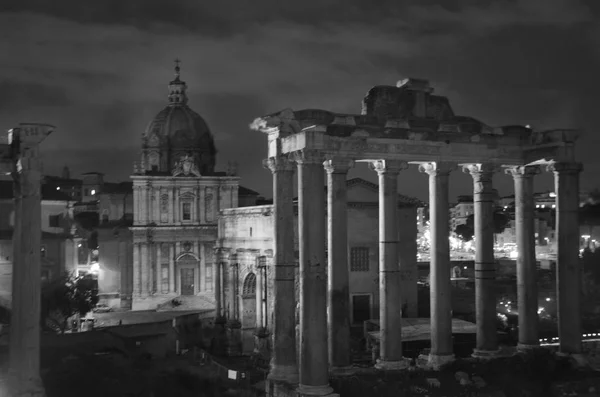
(177, 88)
(177, 68)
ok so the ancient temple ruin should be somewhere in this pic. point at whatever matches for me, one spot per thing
(399, 127)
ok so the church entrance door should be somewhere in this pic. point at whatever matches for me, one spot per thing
(248, 313)
(187, 281)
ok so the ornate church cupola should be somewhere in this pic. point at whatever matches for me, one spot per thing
(177, 88)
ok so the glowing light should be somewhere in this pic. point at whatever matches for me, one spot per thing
(95, 268)
(465, 268)
(93, 192)
(513, 255)
(553, 205)
(58, 188)
(548, 299)
(79, 245)
(585, 236)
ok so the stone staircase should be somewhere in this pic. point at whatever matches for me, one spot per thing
(187, 303)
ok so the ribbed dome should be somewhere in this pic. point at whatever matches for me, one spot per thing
(177, 131)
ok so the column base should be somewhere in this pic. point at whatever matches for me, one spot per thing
(438, 361)
(486, 354)
(524, 347)
(284, 373)
(342, 371)
(324, 390)
(392, 365)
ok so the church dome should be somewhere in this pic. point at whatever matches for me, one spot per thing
(175, 132)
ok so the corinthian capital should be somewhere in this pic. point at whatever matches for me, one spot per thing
(565, 167)
(522, 171)
(437, 168)
(308, 157)
(337, 165)
(388, 166)
(278, 163)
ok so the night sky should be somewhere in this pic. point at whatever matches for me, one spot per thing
(98, 70)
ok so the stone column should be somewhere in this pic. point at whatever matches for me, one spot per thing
(314, 371)
(171, 268)
(136, 270)
(440, 287)
(527, 295)
(485, 265)
(176, 210)
(338, 293)
(158, 268)
(24, 341)
(283, 362)
(390, 302)
(144, 265)
(217, 281)
(568, 274)
(259, 297)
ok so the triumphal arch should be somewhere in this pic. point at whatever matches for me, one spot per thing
(402, 126)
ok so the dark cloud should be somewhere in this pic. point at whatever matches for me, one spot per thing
(99, 70)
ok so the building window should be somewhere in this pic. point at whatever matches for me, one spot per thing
(164, 279)
(359, 259)
(43, 251)
(186, 211)
(82, 253)
(54, 220)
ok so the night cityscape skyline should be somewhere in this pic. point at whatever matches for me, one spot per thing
(100, 74)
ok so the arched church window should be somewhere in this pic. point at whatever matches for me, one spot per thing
(249, 287)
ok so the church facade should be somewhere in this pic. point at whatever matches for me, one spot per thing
(177, 197)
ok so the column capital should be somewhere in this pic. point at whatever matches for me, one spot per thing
(437, 168)
(307, 157)
(278, 163)
(388, 166)
(522, 171)
(478, 169)
(565, 167)
(337, 165)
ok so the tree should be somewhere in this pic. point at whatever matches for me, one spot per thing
(66, 296)
(466, 231)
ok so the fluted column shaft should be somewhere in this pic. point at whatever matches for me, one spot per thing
(283, 361)
(485, 265)
(568, 275)
(314, 371)
(390, 304)
(527, 291)
(338, 292)
(440, 285)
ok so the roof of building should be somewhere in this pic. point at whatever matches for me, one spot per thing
(49, 192)
(373, 186)
(244, 191)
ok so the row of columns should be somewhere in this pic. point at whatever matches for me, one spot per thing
(228, 305)
(326, 340)
(142, 276)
